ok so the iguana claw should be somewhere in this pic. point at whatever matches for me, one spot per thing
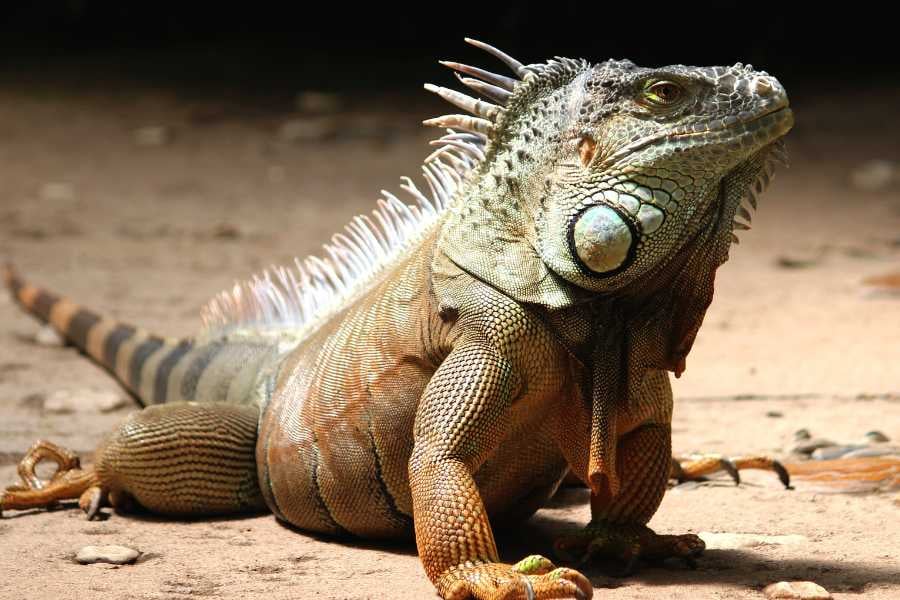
(696, 467)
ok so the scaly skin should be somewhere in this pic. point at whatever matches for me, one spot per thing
(524, 334)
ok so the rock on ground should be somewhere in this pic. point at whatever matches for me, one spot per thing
(796, 590)
(117, 555)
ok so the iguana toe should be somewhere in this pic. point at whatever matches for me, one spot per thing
(91, 501)
(697, 466)
(533, 578)
(628, 543)
(69, 481)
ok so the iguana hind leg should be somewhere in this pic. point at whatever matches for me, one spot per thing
(696, 467)
(186, 459)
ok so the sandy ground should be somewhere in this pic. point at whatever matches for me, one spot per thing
(147, 233)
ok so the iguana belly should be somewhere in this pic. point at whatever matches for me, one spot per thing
(335, 459)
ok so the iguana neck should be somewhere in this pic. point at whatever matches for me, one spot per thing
(487, 235)
(663, 311)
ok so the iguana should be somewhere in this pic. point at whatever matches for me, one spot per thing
(448, 362)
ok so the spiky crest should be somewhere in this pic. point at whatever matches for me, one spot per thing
(301, 295)
(772, 156)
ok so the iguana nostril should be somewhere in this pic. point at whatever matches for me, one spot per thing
(763, 86)
(602, 239)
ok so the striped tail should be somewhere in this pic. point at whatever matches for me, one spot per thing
(140, 361)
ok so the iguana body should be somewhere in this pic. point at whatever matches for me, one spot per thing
(450, 362)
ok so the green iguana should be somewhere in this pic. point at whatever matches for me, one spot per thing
(449, 361)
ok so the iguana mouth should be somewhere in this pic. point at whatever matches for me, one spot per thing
(769, 118)
(777, 118)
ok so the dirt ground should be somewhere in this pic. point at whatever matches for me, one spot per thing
(147, 232)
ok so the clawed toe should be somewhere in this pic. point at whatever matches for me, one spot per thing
(91, 501)
(697, 466)
(69, 481)
(628, 543)
(686, 547)
(533, 578)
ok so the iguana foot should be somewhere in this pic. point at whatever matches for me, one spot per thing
(534, 577)
(69, 482)
(627, 542)
(696, 467)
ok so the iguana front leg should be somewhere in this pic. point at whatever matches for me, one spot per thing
(461, 419)
(618, 523)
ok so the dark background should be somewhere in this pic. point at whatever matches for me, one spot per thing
(272, 49)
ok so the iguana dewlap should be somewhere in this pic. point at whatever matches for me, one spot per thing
(446, 363)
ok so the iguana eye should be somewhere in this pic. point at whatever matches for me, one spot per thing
(663, 93)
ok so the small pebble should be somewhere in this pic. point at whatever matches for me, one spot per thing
(152, 136)
(226, 231)
(47, 336)
(798, 262)
(876, 436)
(796, 590)
(775, 414)
(117, 555)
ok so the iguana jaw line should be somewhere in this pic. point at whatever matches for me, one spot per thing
(778, 118)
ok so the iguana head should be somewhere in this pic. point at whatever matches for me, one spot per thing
(605, 172)
(642, 160)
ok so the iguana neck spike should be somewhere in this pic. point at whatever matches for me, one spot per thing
(501, 81)
(517, 67)
(464, 122)
(477, 107)
(497, 94)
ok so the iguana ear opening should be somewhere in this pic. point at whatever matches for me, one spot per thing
(587, 149)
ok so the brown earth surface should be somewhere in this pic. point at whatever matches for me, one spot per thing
(794, 339)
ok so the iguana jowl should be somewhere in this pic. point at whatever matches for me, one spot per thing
(451, 360)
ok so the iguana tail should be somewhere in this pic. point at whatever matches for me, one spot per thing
(121, 349)
(153, 369)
